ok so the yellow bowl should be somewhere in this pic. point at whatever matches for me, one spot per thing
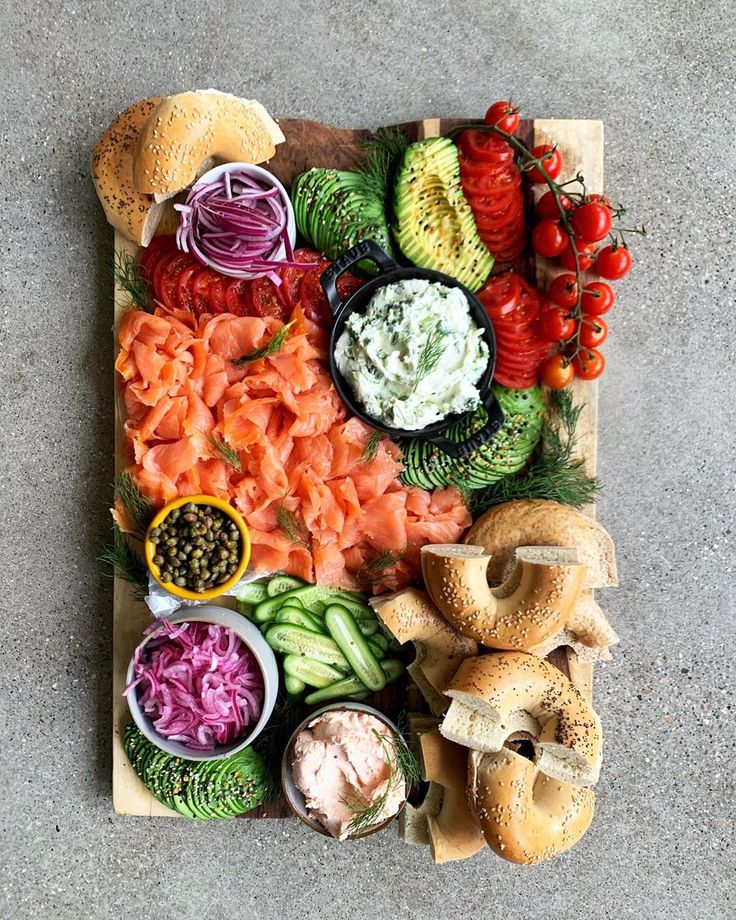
(227, 509)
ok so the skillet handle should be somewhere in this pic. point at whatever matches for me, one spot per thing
(365, 249)
(481, 437)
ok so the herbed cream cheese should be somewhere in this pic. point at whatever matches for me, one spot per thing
(415, 356)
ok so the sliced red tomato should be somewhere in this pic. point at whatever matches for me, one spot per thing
(158, 272)
(500, 294)
(201, 283)
(184, 299)
(485, 181)
(168, 280)
(150, 256)
(313, 299)
(486, 146)
(347, 285)
(291, 277)
(216, 295)
(236, 297)
(503, 183)
(513, 381)
(264, 299)
(498, 211)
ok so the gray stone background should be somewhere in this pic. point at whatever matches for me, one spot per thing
(661, 75)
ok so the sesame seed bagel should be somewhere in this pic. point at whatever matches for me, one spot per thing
(496, 695)
(134, 213)
(189, 133)
(525, 816)
(534, 602)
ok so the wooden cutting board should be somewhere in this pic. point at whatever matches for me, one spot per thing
(309, 143)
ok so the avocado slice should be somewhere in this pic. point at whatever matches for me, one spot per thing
(434, 226)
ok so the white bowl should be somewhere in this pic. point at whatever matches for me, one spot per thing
(256, 172)
(266, 659)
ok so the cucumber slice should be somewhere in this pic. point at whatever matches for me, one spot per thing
(309, 671)
(378, 652)
(381, 640)
(300, 617)
(244, 609)
(314, 598)
(283, 583)
(342, 627)
(252, 593)
(294, 686)
(340, 690)
(367, 627)
(295, 640)
(292, 602)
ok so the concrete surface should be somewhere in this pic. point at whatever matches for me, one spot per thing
(661, 76)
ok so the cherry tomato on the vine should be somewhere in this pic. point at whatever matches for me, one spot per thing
(548, 238)
(557, 372)
(551, 161)
(563, 290)
(586, 256)
(503, 115)
(613, 262)
(547, 206)
(592, 221)
(604, 199)
(597, 298)
(593, 331)
(556, 324)
(589, 363)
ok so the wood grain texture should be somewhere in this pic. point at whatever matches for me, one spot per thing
(308, 144)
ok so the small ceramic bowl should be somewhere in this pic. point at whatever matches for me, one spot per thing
(266, 659)
(262, 175)
(233, 514)
(295, 798)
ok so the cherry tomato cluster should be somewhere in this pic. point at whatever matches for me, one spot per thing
(491, 182)
(179, 281)
(515, 308)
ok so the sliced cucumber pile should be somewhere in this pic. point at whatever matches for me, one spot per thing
(331, 640)
(506, 453)
(199, 789)
(335, 209)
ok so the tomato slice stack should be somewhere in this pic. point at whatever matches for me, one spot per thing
(514, 306)
(491, 182)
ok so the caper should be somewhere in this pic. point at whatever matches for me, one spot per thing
(156, 532)
(172, 541)
(233, 557)
(217, 524)
(175, 514)
(171, 552)
(190, 517)
(189, 507)
(158, 559)
(231, 544)
(199, 585)
(155, 540)
(222, 580)
(181, 555)
(206, 509)
(197, 553)
(180, 582)
(188, 548)
(205, 573)
(166, 575)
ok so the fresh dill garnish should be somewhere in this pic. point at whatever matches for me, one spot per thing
(370, 451)
(555, 474)
(270, 348)
(374, 570)
(402, 767)
(124, 562)
(138, 510)
(294, 528)
(430, 355)
(228, 454)
(128, 276)
(384, 151)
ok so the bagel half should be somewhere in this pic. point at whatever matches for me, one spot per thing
(189, 133)
(587, 632)
(525, 816)
(410, 616)
(533, 604)
(496, 695)
(134, 213)
(541, 522)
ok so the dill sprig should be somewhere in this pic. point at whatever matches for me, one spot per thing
(228, 454)
(374, 570)
(430, 355)
(293, 526)
(128, 276)
(138, 509)
(384, 151)
(402, 766)
(370, 451)
(556, 474)
(270, 348)
(124, 562)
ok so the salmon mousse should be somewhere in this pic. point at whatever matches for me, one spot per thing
(345, 765)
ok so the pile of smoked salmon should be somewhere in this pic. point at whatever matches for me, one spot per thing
(317, 503)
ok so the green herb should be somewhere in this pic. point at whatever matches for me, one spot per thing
(370, 451)
(227, 453)
(555, 474)
(294, 528)
(402, 766)
(270, 348)
(384, 151)
(430, 355)
(374, 570)
(124, 562)
(271, 743)
(128, 277)
(138, 510)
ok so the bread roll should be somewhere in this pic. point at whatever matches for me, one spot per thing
(541, 522)
(501, 693)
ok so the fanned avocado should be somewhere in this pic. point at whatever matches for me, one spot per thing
(429, 467)
(434, 223)
(335, 209)
(199, 789)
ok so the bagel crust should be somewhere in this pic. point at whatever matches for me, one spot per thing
(533, 604)
(525, 816)
(495, 695)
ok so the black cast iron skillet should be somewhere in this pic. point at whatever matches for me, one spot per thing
(389, 273)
